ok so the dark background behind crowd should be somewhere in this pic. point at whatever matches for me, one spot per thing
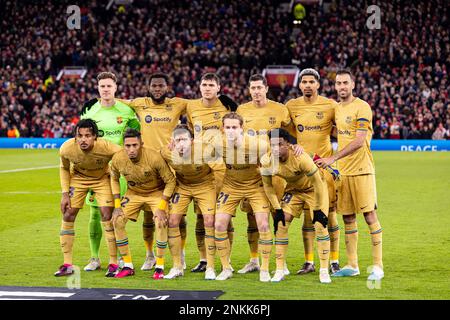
(401, 69)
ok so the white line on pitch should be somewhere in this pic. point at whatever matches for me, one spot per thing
(28, 169)
(35, 294)
(30, 192)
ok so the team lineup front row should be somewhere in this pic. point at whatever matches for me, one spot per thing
(218, 170)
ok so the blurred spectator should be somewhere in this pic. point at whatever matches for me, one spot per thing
(414, 133)
(440, 133)
(401, 69)
(394, 129)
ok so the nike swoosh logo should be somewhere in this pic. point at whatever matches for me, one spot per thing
(298, 115)
(363, 207)
(247, 121)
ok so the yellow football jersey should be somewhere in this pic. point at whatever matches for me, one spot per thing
(357, 115)
(148, 174)
(260, 120)
(242, 163)
(157, 120)
(202, 118)
(313, 123)
(91, 165)
(187, 171)
(295, 170)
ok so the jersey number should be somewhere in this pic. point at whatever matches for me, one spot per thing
(287, 197)
(223, 197)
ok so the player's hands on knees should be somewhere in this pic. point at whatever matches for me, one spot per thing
(65, 202)
(161, 217)
(116, 213)
(298, 149)
(279, 216)
(319, 216)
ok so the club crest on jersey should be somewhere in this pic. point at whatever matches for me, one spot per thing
(348, 120)
(148, 118)
(119, 120)
(272, 120)
(319, 115)
(217, 115)
(147, 173)
(300, 128)
(99, 161)
(169, 107)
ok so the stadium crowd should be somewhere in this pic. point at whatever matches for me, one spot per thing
(401, 69)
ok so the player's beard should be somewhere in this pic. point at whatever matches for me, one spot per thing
(160, 99)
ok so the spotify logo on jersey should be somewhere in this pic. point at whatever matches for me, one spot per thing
(148, 118)
(300, 128)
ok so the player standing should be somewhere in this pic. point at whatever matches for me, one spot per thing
(112, 118)
(357, 190)
(260, 116)
(313, 117)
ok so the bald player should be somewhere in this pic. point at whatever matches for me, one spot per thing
(150, 186)
(241, 154)
(204, 117)
(304, 185)
(357, 191)
(84, 167)
(260, 116)
(195, 181)
(313, 117)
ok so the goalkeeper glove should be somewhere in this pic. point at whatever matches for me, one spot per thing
(87, 106)
(279, 216)
(319, 216)
(334, 172)
(228, 102)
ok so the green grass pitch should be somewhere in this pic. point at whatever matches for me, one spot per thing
(414, 210)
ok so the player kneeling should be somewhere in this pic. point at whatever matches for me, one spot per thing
(195, 181)
(150, 186)
(304, 185)
(84, 167)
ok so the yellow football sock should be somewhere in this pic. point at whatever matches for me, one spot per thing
(174, 238)
(253, 237)
(183, 234)
(200, 236)
(210, 247)
(148, 231)
(376, 234)
(66, 238)
(323, 245)
(265, 248)
(333, 230)
(308, 233)
(122, 238)
(281, 244)
(108, 228)
(230, 232)
(161, 245)
(351, 243)
(223, 247)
